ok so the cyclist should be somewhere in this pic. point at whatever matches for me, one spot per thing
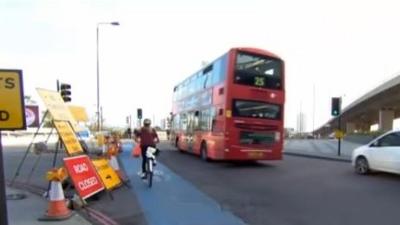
(147, 137)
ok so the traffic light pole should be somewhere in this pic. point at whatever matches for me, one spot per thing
(340, 138)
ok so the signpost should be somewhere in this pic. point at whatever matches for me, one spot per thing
(83, 175)
(12, 117)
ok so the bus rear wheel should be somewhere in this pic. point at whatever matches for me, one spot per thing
(177, 145)
(203, 152)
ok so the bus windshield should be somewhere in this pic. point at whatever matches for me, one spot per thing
(258, 71)
(256, 109)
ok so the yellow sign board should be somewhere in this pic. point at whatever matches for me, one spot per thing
(101, 140)
(56, 106)
(339, 134)
(79, 113)
(68, 137)
(107, 174)
(12, 107)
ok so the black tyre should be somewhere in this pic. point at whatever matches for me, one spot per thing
(149, 173)
(150, 177)
(203, 152)
(177, 145)
(361, 166)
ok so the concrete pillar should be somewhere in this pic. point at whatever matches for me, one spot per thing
(350, 127)
(386, 118)
(364, 127)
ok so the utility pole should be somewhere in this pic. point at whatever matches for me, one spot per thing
(313, 119)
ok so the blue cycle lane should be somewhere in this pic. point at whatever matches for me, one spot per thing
(172, 200)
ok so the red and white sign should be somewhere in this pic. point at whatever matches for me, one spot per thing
(32, 115)
(82, 172)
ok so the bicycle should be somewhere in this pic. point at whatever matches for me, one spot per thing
(150, 154)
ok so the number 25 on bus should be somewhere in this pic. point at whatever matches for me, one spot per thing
(233, 108)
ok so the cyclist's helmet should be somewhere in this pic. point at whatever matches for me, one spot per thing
(147, 122)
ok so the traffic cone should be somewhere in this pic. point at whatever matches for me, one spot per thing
(57, 207)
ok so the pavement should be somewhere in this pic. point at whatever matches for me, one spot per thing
(31, 180)
(29, 209)
(320, 148)
(33, 206)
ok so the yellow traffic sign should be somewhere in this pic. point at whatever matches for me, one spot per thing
(79, 113)
(107, 174)
(68, 137)
(101, 140)
(57, 107)
(339, 134)
(12, 107)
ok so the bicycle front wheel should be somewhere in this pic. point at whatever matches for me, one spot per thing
(150, 172)
(150, 177)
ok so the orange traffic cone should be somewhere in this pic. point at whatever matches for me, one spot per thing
(57, 207)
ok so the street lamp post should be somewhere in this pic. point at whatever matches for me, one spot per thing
(98, 71)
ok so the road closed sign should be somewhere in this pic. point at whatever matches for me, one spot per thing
(12, 108)
(83, 175)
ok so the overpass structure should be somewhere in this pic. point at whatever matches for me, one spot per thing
(379, 106)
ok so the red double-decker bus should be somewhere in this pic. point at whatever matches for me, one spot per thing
(233, 108)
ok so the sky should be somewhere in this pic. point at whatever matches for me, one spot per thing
(330, 47)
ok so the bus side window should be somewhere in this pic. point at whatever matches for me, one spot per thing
(208, 72)
(213, 117)
(197, 120)
(213, 124)
(183, 122)
(190, 123)
(222, 65)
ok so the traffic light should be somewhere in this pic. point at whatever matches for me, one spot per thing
(65, 91)
(336, 106)
(139, 114)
